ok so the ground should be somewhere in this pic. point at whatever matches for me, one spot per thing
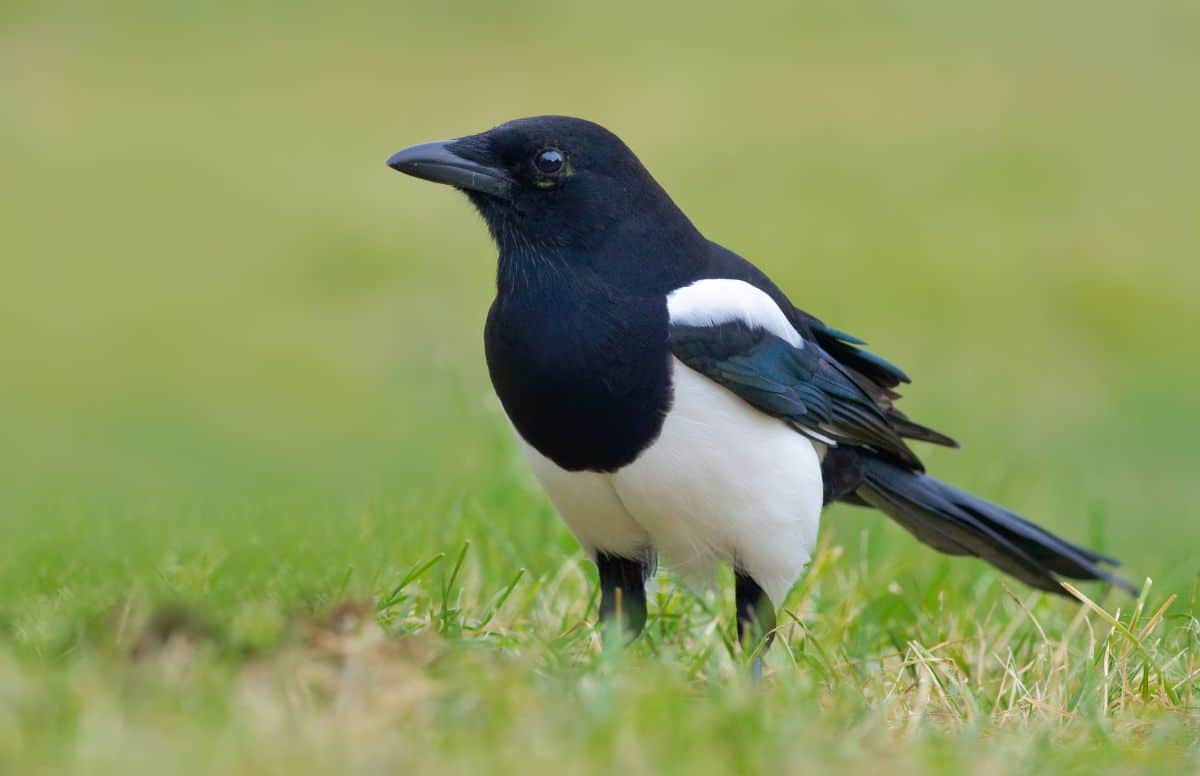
(260, 512)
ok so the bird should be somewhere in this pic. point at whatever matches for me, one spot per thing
(673, 402)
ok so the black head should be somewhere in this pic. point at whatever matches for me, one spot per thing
(551, 184)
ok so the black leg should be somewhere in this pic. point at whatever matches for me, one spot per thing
(755, 618)
(622, 592)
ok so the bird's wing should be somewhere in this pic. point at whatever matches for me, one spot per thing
(874, 375)
(736, 335)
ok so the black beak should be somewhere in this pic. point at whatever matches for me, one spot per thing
(436, 162)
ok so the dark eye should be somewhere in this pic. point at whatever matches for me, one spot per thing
(549, 161)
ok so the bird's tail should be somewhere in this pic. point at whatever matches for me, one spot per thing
(958, 523)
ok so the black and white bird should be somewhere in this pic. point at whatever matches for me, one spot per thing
(670, 398)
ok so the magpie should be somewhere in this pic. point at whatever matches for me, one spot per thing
(672, 401)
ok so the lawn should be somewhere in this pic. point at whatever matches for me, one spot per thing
(260, 512)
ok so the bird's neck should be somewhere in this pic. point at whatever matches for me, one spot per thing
(650, 255)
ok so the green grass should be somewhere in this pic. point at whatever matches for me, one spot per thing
(248, 434)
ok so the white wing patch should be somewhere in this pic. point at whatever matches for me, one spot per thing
(715, 301)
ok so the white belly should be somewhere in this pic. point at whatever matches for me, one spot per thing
(721, 482)
(588, 504)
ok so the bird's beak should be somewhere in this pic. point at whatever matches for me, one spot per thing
(436, 162)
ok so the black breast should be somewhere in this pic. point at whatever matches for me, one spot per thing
(582, 372)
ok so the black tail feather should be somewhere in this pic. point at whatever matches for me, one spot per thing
(958, 523)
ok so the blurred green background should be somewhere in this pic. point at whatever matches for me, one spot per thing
(240, 359)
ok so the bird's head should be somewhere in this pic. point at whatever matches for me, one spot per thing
(548, 183)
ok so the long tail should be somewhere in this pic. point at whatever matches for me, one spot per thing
(958, 523)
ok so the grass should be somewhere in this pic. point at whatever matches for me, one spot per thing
(260, 512)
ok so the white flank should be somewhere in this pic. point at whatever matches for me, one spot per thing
(716, 301)
(722, 482)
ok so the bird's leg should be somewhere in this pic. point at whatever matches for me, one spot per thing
(755, 620)
(622, 593)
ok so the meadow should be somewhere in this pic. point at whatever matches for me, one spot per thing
(260, 512)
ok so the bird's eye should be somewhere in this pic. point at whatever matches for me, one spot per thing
(549, 161)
